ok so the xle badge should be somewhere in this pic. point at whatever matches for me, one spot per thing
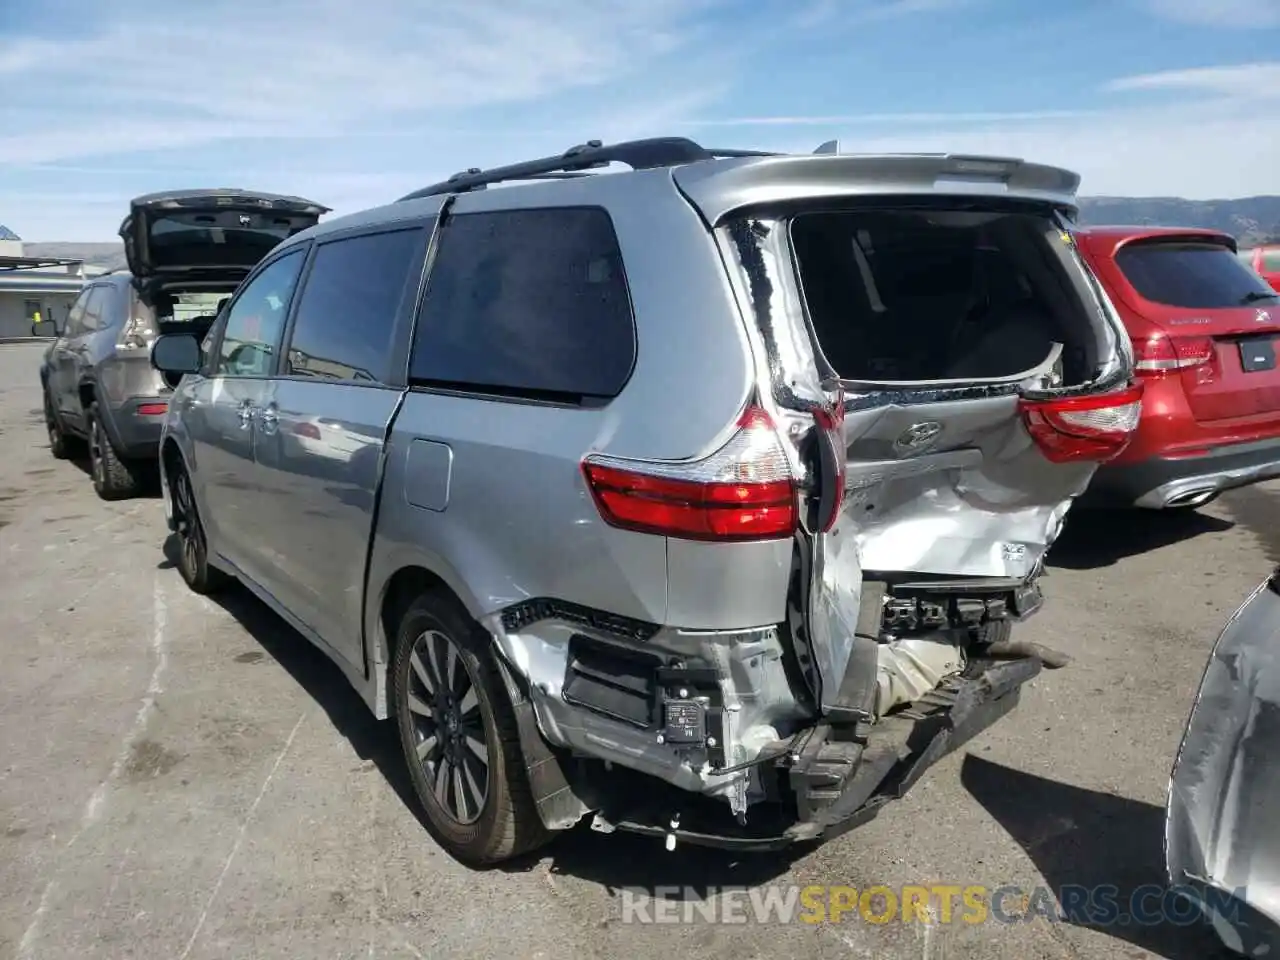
(1015, 557)
(917, 437)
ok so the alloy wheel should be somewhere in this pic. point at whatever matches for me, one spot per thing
(448, 727)
(187, 526)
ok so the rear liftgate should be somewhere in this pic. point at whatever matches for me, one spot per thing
(929, 510)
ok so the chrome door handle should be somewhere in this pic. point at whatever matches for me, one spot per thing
(268, 419)
(246, 415)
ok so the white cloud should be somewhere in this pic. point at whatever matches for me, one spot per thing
(299, 68)
(1216, 140)
(1220, 13)
(1248, 81)
(823, 12)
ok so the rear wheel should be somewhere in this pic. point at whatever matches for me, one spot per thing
(459, 736)
(114, 477)
(193, 560)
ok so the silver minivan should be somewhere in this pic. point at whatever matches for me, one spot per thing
(695, 499)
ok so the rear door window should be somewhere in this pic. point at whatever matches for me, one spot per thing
(255, 323)
(347, 310)
(530, 303)
(920, 295)
(1271, 260)
(1198, 276)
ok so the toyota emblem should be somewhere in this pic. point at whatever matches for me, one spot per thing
(917, 437)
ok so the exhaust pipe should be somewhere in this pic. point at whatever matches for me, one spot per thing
(1192, 498)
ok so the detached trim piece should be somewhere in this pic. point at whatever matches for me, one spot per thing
(537, 609)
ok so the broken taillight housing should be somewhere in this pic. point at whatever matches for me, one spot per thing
(743, 491)
(1095, 427)
(832, 462)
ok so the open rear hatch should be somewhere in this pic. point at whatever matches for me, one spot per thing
(949, 373)
(207, 239)
(1220, 323)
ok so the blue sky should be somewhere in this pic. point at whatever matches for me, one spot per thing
(355, 103)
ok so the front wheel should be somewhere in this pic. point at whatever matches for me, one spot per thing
(460, 738)
(60, 445)
(193, 559)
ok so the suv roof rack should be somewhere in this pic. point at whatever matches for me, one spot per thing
(577, 161)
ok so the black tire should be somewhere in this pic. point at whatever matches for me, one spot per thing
(504, 823)
(61, 445)
(114, 477)
(193, 556)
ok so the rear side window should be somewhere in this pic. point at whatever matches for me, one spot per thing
(1199, 276)
(527, 303)
(75, 317)
(94, 309)
(1271, 259)
(347, 312)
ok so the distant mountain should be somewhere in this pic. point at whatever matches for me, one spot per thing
(1251, 220)
(106, 255)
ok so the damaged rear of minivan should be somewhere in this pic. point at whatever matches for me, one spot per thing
(938, 375)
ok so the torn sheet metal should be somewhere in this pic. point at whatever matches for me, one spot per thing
(1222, 830)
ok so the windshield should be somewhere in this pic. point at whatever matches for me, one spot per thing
(1196, 275)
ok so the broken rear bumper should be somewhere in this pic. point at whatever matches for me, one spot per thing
(838, 781)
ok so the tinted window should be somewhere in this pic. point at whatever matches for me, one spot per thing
(347, 311)
(220, 238)
(1199, 276)
(256, 321)
(529, 303)
(1271, 259)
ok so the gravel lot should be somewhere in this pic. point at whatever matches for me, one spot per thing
(181, 778)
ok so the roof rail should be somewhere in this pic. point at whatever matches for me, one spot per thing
(576, 161)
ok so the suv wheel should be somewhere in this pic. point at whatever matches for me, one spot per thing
(459, 736)
(193, 559)
(114, 478)
(61, 445)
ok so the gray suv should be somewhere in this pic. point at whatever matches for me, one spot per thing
(187, 251)
(696, 498)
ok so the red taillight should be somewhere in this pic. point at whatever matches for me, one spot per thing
(744, 491)
(1160, 354)
(1096, 427)
(152, 409)
(304, 428)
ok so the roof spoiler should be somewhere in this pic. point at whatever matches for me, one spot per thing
(719, 190)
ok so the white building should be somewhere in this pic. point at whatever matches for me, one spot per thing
(31, 286)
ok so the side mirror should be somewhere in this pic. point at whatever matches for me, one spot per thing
(45, 328)
(177, 353)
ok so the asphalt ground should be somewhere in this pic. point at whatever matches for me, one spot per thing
(181, 778)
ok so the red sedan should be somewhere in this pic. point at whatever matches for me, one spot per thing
(1205, 330)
